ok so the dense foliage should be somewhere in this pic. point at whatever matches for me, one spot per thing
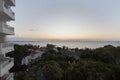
(106, 54)
(94, 64)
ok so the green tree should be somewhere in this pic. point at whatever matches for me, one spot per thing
(52, 71)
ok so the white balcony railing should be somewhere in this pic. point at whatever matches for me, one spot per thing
(6, 47)
(10, 76)
(8, 10)
(8, 61)
(6, 29)
(5, 12)
(6, 65)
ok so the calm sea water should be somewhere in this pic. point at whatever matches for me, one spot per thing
(72, 44)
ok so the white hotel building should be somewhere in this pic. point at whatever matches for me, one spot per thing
(6, 15)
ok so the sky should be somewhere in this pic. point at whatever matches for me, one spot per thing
(67, 19)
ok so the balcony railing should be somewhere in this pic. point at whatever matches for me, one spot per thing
(8, 61)
(6, 29)
(9, 27)
(5, 65)
(6, 47)
(8, 8)
(11, 75)
(6, 12)
(7, 76)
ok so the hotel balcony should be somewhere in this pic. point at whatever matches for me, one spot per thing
(5, 65)
(10, 2)
(6, 47)
(5, 12)
(6, 29)
(8, 76)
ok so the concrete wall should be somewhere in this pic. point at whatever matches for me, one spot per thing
(1, 4)
(2, 38)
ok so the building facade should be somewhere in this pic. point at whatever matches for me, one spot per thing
(6, 15)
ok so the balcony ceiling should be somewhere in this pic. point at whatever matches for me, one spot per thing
(10, 2)
(4, 17)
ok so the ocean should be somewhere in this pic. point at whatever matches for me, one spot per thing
(71, 44)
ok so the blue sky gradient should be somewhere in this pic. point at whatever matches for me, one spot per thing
(67, 19)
